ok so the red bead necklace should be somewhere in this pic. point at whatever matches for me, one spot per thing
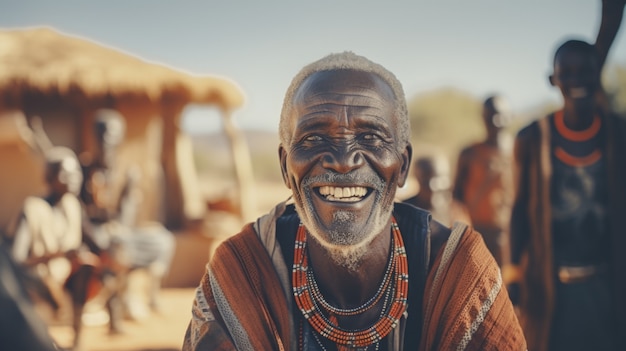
(319, 297)
(577, 136)
(308, 302)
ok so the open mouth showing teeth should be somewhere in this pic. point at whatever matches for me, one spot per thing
(343, 194)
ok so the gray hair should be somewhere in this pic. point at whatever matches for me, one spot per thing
(346, 61)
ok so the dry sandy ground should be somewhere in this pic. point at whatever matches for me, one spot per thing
(155, 332)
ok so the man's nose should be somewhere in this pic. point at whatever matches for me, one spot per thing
(343, 159)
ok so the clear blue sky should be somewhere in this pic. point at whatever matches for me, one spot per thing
(480, 46)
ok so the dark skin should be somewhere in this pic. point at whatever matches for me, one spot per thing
(344, 123)
(577, 76)
(571, 70)
(611, 19)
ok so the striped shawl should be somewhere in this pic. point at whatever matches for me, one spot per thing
(242, 302)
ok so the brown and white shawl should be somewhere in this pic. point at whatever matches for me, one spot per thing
(244, 302)
(466, 306)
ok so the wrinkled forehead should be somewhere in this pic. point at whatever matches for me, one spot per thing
(321, 84)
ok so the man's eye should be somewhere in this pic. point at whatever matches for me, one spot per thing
(313, 138)
(371, 137)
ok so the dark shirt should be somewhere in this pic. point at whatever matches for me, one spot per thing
(579, 210)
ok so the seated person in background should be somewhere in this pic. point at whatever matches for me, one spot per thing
(112, 199)
(432, 173)
(48, 237)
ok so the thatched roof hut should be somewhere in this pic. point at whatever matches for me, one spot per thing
(65, 79)
(53, 63)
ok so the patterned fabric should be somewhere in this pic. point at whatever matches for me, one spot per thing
(531, 227)
(247, 309)
(466, 307)
(242, 305)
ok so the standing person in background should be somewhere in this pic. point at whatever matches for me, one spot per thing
(432, 173)
(566, 238)
(484, 181)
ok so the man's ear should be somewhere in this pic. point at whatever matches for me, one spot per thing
(407, 156)
(551, 79)
(282, 156)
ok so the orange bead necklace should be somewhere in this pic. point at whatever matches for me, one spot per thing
(577, 136)
(309, 303)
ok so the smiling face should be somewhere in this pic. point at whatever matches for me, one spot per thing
(344, 162)
(576, 74)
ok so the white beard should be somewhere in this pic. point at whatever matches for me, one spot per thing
(345, 245)
(343, 249)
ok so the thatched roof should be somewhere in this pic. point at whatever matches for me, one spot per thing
(45, 60)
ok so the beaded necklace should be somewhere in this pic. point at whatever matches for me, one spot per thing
(318, 297)
(577, 136)
(309, 304)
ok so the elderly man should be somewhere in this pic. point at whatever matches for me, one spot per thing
(344, 267)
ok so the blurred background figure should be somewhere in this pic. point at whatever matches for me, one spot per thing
(484, 181)
(432, 173)
(47, 239)
(567, 236)
(112, 200)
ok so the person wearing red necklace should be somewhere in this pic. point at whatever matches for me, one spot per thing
(341, 265)
(566, 241)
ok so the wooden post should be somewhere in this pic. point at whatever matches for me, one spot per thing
(174, 200)
(243, 168)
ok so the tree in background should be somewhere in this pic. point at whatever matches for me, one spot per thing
(447, 118)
